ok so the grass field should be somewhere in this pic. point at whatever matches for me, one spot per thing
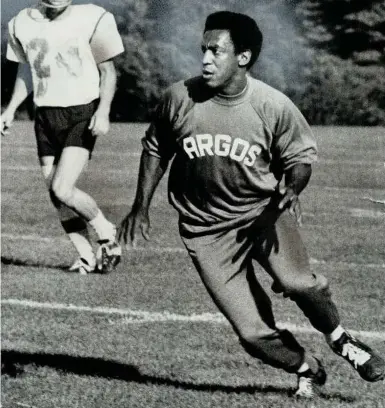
(148, 335)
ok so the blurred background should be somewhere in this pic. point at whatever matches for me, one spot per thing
(328, 56)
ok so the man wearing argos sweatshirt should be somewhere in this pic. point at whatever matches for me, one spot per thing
(242, 153)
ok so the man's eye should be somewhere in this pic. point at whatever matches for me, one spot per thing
(214, 50)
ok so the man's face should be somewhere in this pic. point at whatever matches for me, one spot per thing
(220, 63)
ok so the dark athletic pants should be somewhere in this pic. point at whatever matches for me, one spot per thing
(224, 262)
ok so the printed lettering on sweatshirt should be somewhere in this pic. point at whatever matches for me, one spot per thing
(221, 145)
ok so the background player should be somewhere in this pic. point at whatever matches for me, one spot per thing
(69, 50)
(233, 139)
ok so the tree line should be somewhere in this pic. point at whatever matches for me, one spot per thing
(328, 56)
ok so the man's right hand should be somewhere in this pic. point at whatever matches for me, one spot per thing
(131, 224)
(7, 118)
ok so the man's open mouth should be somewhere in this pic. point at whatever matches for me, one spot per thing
(207, 74)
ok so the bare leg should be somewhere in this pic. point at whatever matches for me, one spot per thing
(63, 188)
(74, 226)
(71, 165)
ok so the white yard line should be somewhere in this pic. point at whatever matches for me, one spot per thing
(338, 189)
(38, 238)
(22, 404)
(314, 261)
(37, 169)
(142, 316)
(127, 153)
(32, 237)
(352, 212)
(374, 200)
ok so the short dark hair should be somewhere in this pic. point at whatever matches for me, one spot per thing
(244, 31)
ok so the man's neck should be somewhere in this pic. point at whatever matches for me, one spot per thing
(55, 14)
(235, 87)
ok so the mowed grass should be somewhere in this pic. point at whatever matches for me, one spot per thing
(101, 355)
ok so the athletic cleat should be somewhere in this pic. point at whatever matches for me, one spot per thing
(108, 255)
(82, 267)
(308, 382)
(369, 365)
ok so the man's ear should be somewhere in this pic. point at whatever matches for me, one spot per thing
(244, 58)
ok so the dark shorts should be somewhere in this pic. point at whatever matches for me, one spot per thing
(60, 127)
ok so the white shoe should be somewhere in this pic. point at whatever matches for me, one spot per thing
(308, 382)
(82, 266)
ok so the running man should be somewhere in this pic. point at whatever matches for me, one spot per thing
(242, 153)
(69, 50)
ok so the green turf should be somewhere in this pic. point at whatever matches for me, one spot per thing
(67, 358)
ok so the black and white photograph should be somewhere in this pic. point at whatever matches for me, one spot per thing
(192, 204)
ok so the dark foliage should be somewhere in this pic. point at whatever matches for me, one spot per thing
(327, 55)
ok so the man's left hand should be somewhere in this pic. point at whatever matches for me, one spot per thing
(290, 200)
(100, 124)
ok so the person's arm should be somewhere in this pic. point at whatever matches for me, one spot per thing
(296, 150)
(296, 179)
(100, 121)
(151, 171)
(22, 88)
(159, 147)
(105, 44)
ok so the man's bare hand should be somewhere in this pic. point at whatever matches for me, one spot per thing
(7, 118)
(290, 201)
(130, 226)
(100, 124)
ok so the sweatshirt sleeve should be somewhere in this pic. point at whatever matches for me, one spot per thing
(294, 140)
(15, 51)
(106, 42)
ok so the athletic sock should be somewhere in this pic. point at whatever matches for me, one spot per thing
(309, 363)
(103, 228)
(83, 247)
(335, 334)
(76, 229)
(304, 367)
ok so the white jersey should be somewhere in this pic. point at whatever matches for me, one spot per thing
(63, 53)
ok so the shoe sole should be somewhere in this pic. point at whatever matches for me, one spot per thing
(380, 377)
(363, 375)
(81, 271)
(109, 265)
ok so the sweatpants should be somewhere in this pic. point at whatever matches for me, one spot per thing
(224, 261)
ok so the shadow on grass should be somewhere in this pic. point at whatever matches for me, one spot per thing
(32, 264)
(13, 363)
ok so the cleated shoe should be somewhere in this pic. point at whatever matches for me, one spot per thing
(108, 255)
(82, 266)
(369, 365)
(308, 382)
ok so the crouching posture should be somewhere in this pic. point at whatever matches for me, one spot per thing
(242, 153)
